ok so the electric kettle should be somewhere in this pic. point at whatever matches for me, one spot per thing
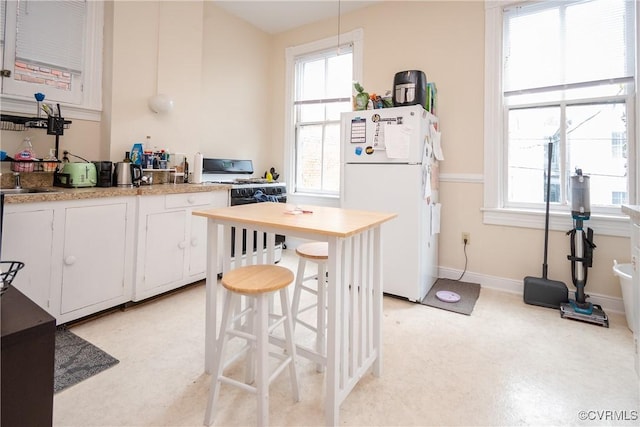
(127, 174)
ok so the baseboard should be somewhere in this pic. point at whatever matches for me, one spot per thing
(609, 304)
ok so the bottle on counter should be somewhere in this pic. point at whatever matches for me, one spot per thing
(26, 150)
(136, 153)
(186, 170)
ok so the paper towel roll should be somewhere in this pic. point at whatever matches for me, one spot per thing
(197, 168)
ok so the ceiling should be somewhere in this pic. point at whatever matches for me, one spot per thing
(277, 16)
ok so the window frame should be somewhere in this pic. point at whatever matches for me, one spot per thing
(355, 38)
(495, 151)
(90, 108)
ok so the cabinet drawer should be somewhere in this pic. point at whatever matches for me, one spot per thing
(188, 199)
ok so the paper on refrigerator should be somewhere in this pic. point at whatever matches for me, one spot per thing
(397, 140)
(435, 218)
(435, 141)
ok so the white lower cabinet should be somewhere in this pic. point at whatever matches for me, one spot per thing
(85, 256)
(96, 258)
(78, 254)
(27, 236)
(171, 242)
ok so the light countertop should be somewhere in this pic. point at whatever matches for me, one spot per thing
(61, 193)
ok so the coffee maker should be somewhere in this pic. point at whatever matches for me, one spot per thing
(104, 170)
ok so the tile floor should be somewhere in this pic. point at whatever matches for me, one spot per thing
(507, 364)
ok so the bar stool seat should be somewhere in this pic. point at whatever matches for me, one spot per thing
(318, 253)
(258, 282)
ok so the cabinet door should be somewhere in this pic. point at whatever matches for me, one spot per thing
(198, 242)
(93, 256)
(198, 246)
(165, 247)
(28, 237)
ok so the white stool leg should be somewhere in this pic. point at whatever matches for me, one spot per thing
(214, 391)
(249, 327)
(321, 314)
(291, 347)
(262, 386)
(297, 290)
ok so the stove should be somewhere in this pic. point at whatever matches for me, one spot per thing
(245, 189)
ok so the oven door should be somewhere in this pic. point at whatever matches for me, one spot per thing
(235, 201)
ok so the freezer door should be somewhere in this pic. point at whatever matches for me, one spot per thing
(410, 250)
(387, 135)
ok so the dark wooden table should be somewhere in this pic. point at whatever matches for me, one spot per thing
(27, 361)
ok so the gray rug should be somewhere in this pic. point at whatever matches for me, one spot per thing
(76, 360)
(469, 293)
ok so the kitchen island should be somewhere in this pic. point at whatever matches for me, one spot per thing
(354, 318)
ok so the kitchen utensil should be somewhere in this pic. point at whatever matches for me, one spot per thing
(105, 171)
(77, 174)
(409, 88)
(127, 174)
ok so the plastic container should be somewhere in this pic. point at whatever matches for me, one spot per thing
(624, 273)
(136, 153)
(23, 158)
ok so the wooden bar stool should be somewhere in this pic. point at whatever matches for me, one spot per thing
(258, 282)
(318, 253)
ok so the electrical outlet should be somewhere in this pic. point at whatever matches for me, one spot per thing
(466, 236)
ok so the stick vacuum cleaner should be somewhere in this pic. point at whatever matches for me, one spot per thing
(581, 257)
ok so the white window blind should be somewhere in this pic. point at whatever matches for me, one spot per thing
(567, 44)
(51, 33)
(321, 76)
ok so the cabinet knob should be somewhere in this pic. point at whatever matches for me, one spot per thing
(194, 241)
(70, 260)
(191, 199)
(182, 245)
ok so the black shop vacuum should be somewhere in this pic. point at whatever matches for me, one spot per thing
(543, 291)
(581, 256)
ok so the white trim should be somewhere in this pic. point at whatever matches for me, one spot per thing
(558, 221)
(492, 116)
(357, 38)
(495, 155)
(91, 105)
(471, 178)
(20, 105)
(512, 286)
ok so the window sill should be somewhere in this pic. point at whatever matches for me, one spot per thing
(607, 225)
(15, 104)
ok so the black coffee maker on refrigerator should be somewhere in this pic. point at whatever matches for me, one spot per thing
(104, 173)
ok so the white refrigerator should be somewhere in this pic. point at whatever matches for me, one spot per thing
(389, 164)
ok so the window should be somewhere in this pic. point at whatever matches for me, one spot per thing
(54, 48)
(559, 73)
(320, 77)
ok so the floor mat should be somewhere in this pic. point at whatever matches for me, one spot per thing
(77, 359)
(469, 293)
